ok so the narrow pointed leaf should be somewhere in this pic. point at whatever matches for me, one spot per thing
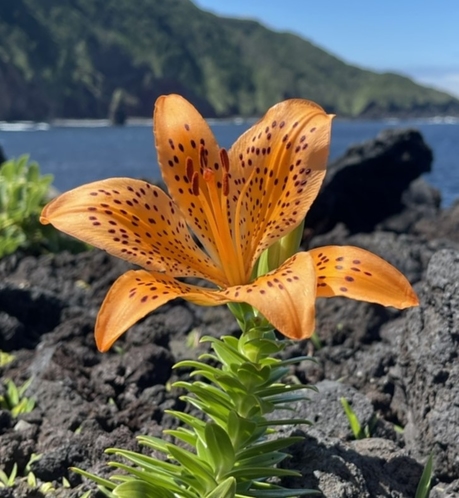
(140, 489)
(423, 489)
(227, 489)
(220, 449)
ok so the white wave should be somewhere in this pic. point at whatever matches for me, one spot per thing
(23, 126)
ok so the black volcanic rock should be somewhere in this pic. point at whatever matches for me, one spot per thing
(429, 369)
(371, 182)
(446, 225)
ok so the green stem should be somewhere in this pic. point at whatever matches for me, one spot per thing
(224, 450)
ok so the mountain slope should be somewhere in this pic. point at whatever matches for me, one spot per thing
(73, 57)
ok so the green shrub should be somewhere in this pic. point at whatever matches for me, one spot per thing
(23, 193)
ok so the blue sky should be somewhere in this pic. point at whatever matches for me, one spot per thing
(418, 38)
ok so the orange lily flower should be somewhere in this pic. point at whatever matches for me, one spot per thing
(238, 203)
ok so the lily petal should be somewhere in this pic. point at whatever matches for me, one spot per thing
(135, 221)
(185, 142)
(359, 274)
(137, 293)
(285, 297)
(279, 165)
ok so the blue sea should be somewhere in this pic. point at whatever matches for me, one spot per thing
(80, 152)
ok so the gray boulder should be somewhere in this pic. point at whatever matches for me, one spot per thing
(371, 183)
(429, 368)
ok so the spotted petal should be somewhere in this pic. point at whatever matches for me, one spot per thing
(285, 297)
(278, 166)
(359, 274)
(185, 144)
(137, 293)
(135, 221)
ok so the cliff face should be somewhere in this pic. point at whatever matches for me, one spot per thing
(71, 58)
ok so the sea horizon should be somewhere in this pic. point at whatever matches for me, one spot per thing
(79, 151)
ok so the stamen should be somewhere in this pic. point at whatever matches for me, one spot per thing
(224, 159)
(195, 183)
(189, 168)
(214, 206)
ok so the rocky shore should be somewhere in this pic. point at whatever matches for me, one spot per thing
(399, 370)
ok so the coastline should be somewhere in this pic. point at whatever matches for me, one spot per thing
(141, 121)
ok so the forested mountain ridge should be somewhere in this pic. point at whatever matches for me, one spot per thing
(76, 58)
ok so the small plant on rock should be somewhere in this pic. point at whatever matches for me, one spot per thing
(423, 489)
(7, 481)
(14, 479)
(14, 400)
(23, 192)
(359, 431)
(246, 206)
(5, 358)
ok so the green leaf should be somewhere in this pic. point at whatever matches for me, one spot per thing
(252, 377)
(31, 480)
(263, 460)
(297, 359)
(12, 392)
(283, 493)
(200, 368)
(163, 481)
(423, 489)
(227, 355)
(155, 443)
(98, 480)
(354, 422)
(220, 449)
(286, 400)
(207, 392)
(251, 406)
(198, 425)
(263, 347)
(182, 434)
(4, 479)
(217, 413)
(226, 489)
(285, 421)
(277, 374)
(140, 489)
(199, 469)
(280, 389)
(268, 446)
(263, 473)
(240, 429)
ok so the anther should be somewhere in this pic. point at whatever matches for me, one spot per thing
(224, 159)
(189, 168)
(195, 183)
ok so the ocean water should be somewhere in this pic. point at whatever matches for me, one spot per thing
(80, 152)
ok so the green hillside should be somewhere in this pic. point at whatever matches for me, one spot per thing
(71, 58)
